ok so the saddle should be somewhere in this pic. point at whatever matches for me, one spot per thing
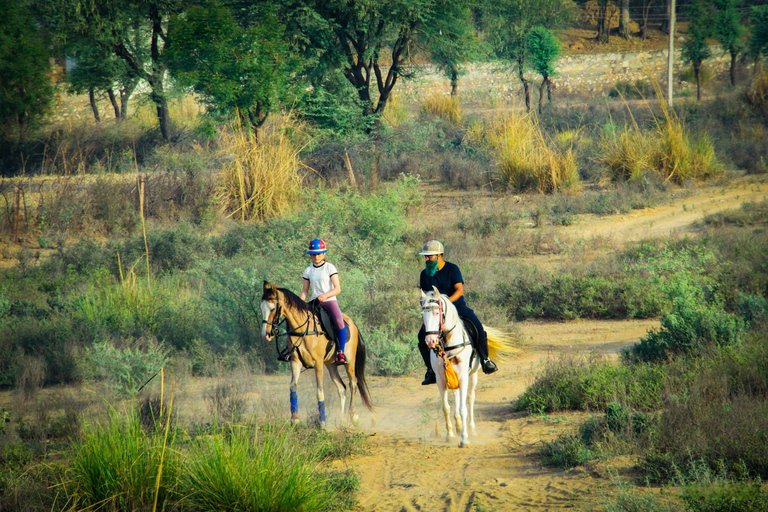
(328, 326)
(472, 333)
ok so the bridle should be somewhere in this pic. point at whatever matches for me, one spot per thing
(275, 330)
(441, 333)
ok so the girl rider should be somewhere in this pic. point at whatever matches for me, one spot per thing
(323, 278)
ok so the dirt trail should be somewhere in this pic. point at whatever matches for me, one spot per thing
(412, 467)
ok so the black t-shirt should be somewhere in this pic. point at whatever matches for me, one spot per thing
(445, 280)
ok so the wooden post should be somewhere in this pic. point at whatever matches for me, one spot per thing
(16, 213)
(671, 56)
(350, 173)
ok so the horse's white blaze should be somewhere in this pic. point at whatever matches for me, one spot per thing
(266, 309)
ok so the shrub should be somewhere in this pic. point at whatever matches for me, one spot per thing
(525, 160)
(729, 497)
(566, 451)
(261, 178)
(757, 96)
(391, 354)
(247, 471)
(670, 152)
(637, 90)
(116, 466)
(126, 368)
(592, 383)
(690, 327)
(446, 107)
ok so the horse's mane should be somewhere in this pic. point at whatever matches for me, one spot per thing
(293, 301)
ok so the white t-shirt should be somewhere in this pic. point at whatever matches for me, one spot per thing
(320, 279)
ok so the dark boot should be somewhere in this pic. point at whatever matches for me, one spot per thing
(429, 378)
(488, 366)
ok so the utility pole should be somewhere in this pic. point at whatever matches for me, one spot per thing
(671, 56)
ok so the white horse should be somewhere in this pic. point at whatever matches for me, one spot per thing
(443, 326)
(445, 329)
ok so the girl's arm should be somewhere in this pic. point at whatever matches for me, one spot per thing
(305, 289)
(336, 289)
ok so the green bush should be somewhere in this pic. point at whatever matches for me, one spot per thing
(124, 368)
(251, 471)
(116, 466)
(690, 327)
(572, 383)
(566, 451)
(733, 497)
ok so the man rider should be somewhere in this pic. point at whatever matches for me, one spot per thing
(446, 277)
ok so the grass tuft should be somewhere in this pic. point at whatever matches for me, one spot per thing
(445, 107)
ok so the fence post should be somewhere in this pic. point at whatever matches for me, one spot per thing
(16, 213)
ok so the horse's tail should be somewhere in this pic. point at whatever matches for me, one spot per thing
(362, 386)
(500, 344)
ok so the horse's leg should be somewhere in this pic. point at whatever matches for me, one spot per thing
(350, 367)
(320, 394)
(333, 371)
(295, 373)
(437, 366)
(471, 396)
(461, 404)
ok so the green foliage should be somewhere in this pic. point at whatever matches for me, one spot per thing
(637, 90)
(125, 369)
(583, 384)
(392, 354)
(238, 66)
(566, 451)
(544, 48)
(116, 465)
(690, 327)
(730, 497)
(758, 34)
(252, 471)
(24, 69)
(727, 25)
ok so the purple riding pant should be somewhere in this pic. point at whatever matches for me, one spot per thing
(332, 307)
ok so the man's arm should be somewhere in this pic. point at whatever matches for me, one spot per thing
(459, 291)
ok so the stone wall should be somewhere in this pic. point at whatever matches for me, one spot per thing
(584, 73)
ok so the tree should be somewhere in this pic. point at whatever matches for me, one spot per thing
(543, 48)
(695, 48)
(758, 37)
(237, 66)
(507, 24)
(451, 43)
(26, 90)
(645, 10)
(360, 36)
(603, 21)
(624, 20)
(135, 31)
(729, 30)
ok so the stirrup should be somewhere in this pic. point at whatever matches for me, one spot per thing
(488, 366)
(286, 358)
(341, 358)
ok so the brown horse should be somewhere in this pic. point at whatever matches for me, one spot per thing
(310, 347)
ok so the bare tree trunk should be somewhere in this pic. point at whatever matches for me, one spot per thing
(350, 172)
(549, 90)
(733, 68)
(697, 72)
(113, 100)
(94, 106)
(666, 18)
(454, 82)
(603, 30)
(624, 20)
(541, 93)
(524, 81)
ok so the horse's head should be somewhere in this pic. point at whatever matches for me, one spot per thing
(433, 313)
(269, 310)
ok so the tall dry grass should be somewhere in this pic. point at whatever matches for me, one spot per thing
(670, 151)
(757, 95)
(526, 159)
(262, 177)
(446, 107)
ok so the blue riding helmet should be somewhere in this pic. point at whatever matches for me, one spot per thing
(317, 246)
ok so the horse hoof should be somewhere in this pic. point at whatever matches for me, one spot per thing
(463, 444)
(322, 425)
(355, 418)
(294, 421)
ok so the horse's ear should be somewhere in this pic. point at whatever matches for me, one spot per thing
(269, 288)
(423, 295)
(437, 293)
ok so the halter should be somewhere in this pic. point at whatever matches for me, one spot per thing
(441, 334)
